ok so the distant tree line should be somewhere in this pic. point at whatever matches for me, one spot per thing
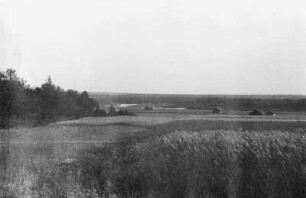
(243, 102)
(284, 104)
(21, 103)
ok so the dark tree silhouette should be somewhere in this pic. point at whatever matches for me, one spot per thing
(46, 103)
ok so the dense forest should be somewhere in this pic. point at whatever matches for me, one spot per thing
(229, 102)
(20, 103)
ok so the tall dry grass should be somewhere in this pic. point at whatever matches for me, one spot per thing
(35, 163)
(209, 159)
(222, 164)
(179, 159)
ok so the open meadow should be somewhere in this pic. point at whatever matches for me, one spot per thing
(152, 99)
(161, 154)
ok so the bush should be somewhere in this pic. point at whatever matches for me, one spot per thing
(99, 113)
(125, 113)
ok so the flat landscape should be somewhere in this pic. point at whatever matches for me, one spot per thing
(116, 156)
(152, 99)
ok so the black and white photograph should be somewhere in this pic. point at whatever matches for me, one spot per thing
(152, 99)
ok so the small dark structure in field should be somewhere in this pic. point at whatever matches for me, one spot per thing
(217, 110)
(270, 113)
(256, 112)
(149, 107)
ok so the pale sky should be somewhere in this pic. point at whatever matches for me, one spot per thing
(158, 46)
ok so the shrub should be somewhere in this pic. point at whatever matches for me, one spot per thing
(125, 113)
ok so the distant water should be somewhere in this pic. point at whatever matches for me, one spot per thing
(126, 105)
(170, 108)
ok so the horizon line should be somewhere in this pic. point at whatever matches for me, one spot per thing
(198, 94)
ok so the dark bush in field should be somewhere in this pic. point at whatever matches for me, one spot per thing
(256, 112)
(99, 112)
(125, 113)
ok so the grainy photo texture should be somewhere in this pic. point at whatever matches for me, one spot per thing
(152, 99)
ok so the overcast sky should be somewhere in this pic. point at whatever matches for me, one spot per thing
(158, 46)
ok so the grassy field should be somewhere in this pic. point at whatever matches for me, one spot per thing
(159, 155)
(34, 151)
